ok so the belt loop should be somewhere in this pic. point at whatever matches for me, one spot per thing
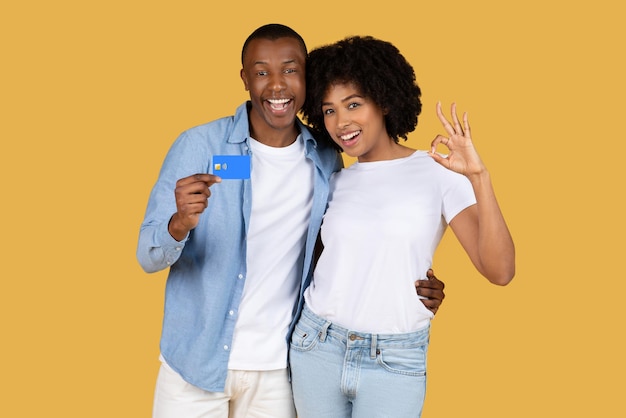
(373, 346)
(324, 331)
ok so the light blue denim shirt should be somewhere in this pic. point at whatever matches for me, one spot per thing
(208, 268)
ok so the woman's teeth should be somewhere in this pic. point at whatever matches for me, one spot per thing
(349, 136)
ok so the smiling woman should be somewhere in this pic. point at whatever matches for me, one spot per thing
(359, 348)
(357, 124)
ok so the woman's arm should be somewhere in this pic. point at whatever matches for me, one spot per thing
(481, 228)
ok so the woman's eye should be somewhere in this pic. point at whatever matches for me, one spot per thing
(353, 105)
(327, 111)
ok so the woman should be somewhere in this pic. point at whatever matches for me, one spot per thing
(359, 348)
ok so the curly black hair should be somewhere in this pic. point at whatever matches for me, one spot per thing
(378, 71)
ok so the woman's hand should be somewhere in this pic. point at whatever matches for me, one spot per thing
(462, 157)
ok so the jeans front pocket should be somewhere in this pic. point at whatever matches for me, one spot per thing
(304, 337)
(409, 361)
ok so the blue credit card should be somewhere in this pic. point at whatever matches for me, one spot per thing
(231, 166)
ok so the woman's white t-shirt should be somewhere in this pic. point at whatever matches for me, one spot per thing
(380, 231)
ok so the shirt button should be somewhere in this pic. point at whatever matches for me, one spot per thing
(177, 248)
(225, 347)
(231, 313)
(240, 276)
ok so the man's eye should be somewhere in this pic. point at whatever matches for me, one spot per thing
(261, 73)
(290, 70)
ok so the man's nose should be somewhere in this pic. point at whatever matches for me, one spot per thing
(278, 82)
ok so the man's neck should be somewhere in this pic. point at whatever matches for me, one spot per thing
(273, 137)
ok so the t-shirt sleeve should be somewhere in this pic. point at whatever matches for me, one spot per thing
(458, 194)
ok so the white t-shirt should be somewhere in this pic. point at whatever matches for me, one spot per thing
(380, 231)
(282, 197)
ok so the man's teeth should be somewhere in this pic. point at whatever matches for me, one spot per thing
(278, 103)
(349, 136)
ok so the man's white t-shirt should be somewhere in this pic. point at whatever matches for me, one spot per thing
(380, 231)
(282, 197)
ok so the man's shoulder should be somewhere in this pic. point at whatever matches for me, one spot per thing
(317, 138)
(327, 150)
(215, 124)
(231, 126)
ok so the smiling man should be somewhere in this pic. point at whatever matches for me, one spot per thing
(273, 73)
(240, 250)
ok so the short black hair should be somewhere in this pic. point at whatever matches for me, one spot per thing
(377, 69)
(273, 31)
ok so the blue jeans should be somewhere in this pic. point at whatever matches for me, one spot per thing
(340, 373)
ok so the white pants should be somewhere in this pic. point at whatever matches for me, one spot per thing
(247, 394)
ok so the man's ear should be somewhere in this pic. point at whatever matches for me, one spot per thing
(242, 74)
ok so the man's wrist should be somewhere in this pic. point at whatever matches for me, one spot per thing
(175, 230)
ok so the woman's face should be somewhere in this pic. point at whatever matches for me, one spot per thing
(355, 122)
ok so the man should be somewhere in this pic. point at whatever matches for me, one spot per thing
(240, 258)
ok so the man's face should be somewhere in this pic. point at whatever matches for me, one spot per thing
(273, 73)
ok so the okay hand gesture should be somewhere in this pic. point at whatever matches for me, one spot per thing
(462, 157)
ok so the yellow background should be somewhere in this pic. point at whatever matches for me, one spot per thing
(93, 93)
